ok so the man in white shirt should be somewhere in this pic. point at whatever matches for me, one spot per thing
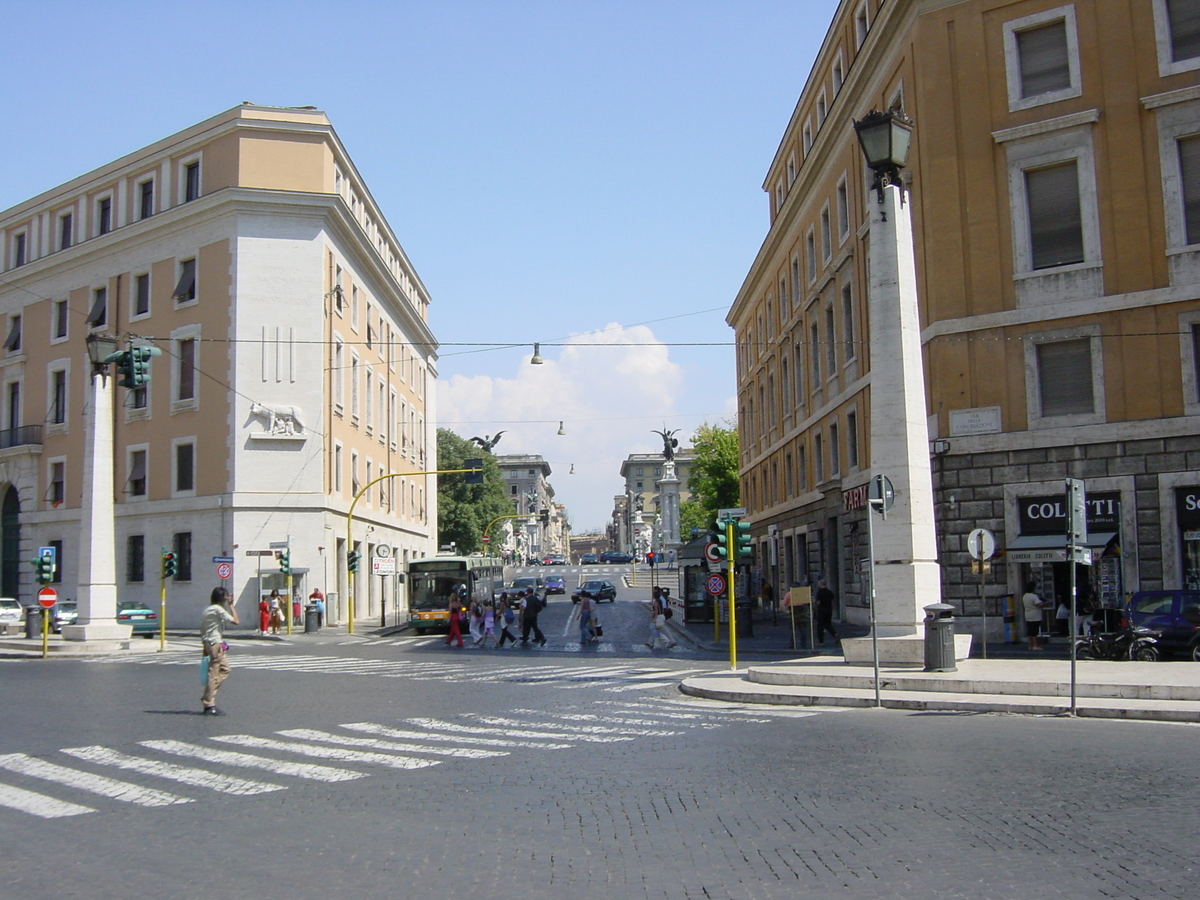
(212, 632)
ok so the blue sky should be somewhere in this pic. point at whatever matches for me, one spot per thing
(583, 174)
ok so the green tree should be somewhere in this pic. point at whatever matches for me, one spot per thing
(714, 481)
(692, 516)
(464, 510)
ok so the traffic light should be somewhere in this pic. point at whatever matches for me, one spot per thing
(650, 559)
(124, 361)
(741, 538)
(285, 561)
(352, 559)
(170, 564)
(475, 476)
(545, 517)
(43, 569)
(134, 365)
(721, 538)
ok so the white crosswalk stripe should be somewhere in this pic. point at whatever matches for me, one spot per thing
(395, 762)
(517, 732)
(38, 804)
(249, 760)
(308, 734)
(385, 731)
(86, 781)
(225, 784)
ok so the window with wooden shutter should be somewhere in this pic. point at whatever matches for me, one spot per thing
(1189, 173)
(1055, 219)
(1184, 19)
(1045, 65)
(1065, 378)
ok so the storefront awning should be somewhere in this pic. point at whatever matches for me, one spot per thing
(1029, 548)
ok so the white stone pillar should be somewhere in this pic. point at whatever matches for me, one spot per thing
(907, 577)
(669, 492)
(97, 595)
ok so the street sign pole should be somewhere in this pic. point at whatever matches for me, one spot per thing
(729, 542)
(162, 603)
(1076, 538)
(880, 497)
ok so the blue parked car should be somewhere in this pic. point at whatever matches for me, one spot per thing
(1175, 613)
(555, 584)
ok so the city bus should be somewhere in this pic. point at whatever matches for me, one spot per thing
(432, 579)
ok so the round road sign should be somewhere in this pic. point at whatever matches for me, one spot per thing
(224, 570)
(981, 544)
(47, 597)
(710, 552)
(715, 584)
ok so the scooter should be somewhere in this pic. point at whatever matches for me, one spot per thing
(1139, 644)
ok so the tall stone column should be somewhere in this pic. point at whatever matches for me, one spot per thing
(668, 488)
(97, 595)
(906, 573)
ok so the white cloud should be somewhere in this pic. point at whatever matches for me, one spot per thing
(610, 388)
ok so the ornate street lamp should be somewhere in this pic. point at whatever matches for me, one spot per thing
(101, 348)
(885, 138)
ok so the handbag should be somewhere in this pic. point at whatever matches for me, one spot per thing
(599, 630)
(204, 662)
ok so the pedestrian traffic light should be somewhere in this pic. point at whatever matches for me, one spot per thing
(741, 537)
(43, 569)
(352, 559)
(285, 561)
(170, 564)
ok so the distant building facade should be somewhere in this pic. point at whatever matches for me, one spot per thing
(1055, 190)
(636, 511)
(296, 366)
(527, 481)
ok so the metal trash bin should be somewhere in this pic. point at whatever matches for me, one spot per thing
(33, 622)
(311, 619)
(939, 638)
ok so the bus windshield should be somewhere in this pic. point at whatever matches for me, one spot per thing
(431, 590)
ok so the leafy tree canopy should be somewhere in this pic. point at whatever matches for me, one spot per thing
(464, 510)
(714, 481)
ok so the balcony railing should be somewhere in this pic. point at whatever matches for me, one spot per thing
(19, 437)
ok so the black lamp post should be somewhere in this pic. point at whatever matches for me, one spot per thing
(885, 139)
(101, 350)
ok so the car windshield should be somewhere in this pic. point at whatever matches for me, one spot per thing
(594, 585)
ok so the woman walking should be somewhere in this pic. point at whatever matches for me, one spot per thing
(455, 619)
(276, 607)
(585, 617)
(507, 617)
(264, 616)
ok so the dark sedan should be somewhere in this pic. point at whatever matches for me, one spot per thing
(589, 559)
(600, 591)
(615, 556)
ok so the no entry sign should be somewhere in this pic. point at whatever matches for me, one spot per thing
(47, 597)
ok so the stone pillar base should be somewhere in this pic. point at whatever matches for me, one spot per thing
(97, 631)
(907, 650)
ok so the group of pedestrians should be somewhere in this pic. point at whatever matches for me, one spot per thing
(491, 622)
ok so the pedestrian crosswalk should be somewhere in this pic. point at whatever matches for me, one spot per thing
(75, 781)
(610, 677)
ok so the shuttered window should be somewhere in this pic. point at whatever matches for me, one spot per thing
(1189, 172)
(1065, 377)
(1184, 19)
(1044, 63)
(1055, 220)
(1196, 359)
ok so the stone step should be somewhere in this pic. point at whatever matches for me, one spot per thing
(1170, 681)
(734, 687)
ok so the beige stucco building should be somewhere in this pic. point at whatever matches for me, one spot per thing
(1055, 191)
(296, 365)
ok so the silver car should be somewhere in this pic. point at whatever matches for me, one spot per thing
(10, 611)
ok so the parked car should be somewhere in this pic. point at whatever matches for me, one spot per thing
(529, 581)
(1175, 613)
(10, 611)
(143, 619)
(554, 559)
(600, 591)
(556, 584)
(65, 613)
(615, 556)
(589, 559)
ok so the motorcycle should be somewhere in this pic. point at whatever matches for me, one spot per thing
(1136, 643)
